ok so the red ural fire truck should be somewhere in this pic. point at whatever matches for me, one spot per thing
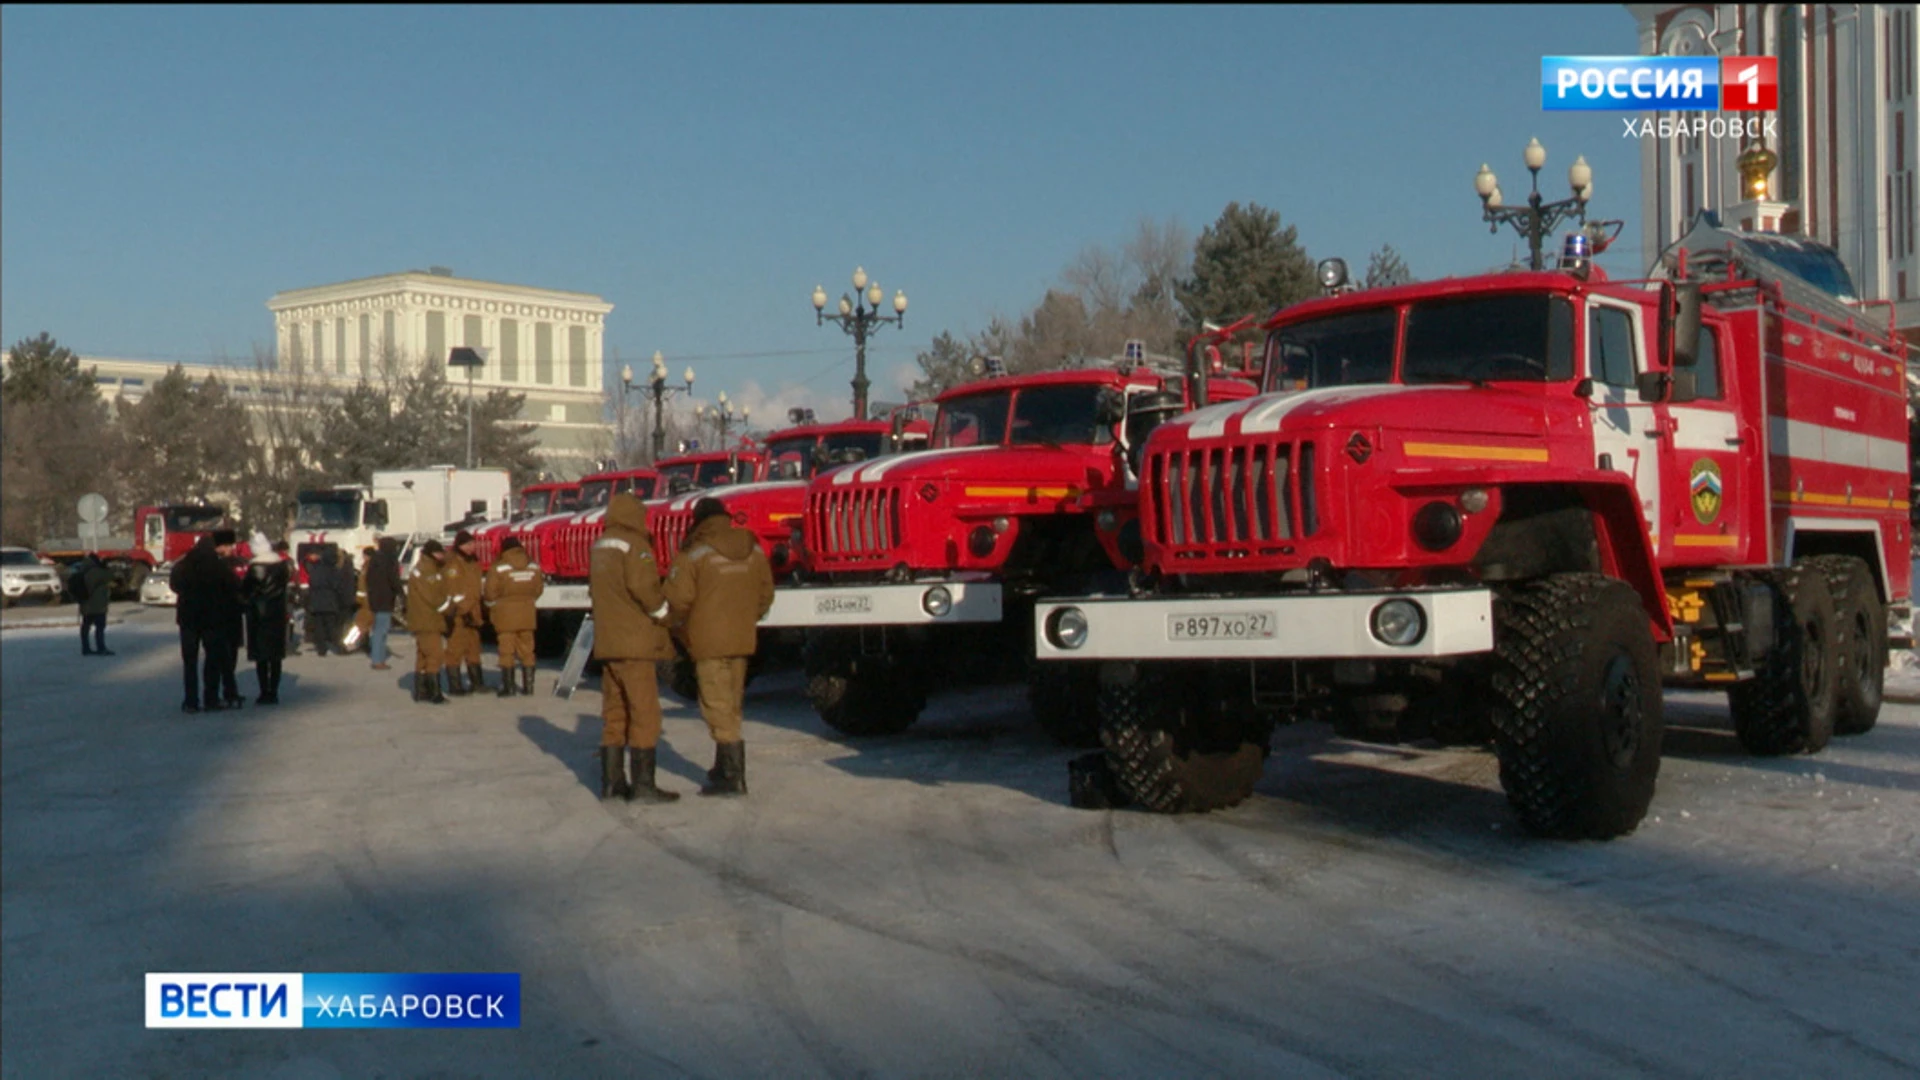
(696, 470)
(930, 560)
(535, 501)
(1531, 498)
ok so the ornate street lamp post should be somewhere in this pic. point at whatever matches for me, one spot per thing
(1537, 220)
(656, 387)
(859, 314)
(723, 416)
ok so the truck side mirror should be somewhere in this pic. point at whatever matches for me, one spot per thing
(1686, 386)
(1652, 385)
(1686, 326)
(1110, 407)
(1196, 375)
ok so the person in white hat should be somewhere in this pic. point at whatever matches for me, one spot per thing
(264, 594)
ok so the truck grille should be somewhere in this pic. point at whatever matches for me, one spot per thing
(1250, 493)
(853, 522)
(669, 532)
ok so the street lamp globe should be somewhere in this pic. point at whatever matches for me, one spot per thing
(846, 305)
(1579, 174)
(859, 278)
(875, 295)
(659, 368)
(819, 298)
(900, 302)
(626, 375)
(689, 376)
(1535, 154)
(1585, 192)
(1484, 181)
(722, 399)
(1495, 200)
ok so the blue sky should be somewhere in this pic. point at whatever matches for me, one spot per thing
(166, 170)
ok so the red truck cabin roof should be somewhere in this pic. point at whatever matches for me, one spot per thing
(790, 450)
(1048, 407)
(713, 468)
(597, 488)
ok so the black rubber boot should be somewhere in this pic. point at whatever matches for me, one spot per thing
(526, 680)
(456, 681)
(640, 763)
(613, 777)
(506, 682)
(419, 687)
(433, 690)
(477, 678)
(729, 773)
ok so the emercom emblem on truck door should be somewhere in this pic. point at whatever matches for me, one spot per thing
(1705, 487)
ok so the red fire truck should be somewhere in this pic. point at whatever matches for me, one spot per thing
(161, 535)
(913, 562)
(772, 509)
(539, 500)
(694, 469)
(1527, 500)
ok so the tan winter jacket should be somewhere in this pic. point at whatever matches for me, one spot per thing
(464, 585)
(427, 601)
(720, 587)
(513, 585)
(629, 612)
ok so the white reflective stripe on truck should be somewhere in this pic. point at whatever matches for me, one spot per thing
(1322, 626)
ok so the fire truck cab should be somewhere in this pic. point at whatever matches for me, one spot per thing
(912, 562)
(1513, 506)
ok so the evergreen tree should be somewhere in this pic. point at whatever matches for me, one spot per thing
(943, 365)
(1245, 263)
(1385, 267)
(56, 442)
(185, 440)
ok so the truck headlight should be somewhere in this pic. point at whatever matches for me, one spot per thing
(980, 541)
(1067, 628)
(937, 601)
(1106, 521)
(1398, 622)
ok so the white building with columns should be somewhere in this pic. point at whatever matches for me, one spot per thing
(1843, 148)
(544, 343)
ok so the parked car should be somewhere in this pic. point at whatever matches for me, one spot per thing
(24, 574)
(155, 590)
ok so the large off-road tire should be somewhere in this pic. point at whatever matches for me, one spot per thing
(1788, 706)
(1578, 721)
(1065, 698)
(875, 701)
(1861, 642)
(1172, 751)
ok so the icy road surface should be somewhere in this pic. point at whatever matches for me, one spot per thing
(925, 905)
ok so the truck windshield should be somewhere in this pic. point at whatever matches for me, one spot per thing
(327, 512)
(796, 459)
(1040, 416)
(1337, 350)
(535, 502)
(194, 518)
(1525, 337)
(701, 474)
(595, 493)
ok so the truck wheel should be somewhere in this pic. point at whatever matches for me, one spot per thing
(1170, 752)
(1788, 706)
(1577, 721)
(136, 579)
(1861, 640)
(874, 701)
(1065, 698)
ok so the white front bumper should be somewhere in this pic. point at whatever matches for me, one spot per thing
(564, 598)
(882, 605)
(1305, 627)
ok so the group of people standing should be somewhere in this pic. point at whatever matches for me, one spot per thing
(448, 602)
(719, 588)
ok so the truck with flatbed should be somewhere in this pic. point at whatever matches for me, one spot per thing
(1511, 507)
(162, 533)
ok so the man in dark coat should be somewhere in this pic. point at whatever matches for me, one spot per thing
(268, 581)
(208, 592)
(323, 602)
(384, 589)
(96, 593)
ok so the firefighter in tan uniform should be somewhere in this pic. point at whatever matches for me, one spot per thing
(427, 607)
(463, 640)
(513, 584)
(720, 588)
(629, 637)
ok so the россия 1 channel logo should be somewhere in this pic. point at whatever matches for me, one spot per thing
(331, 1000)
(1667, 83)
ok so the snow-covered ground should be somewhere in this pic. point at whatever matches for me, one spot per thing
(924, 905)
